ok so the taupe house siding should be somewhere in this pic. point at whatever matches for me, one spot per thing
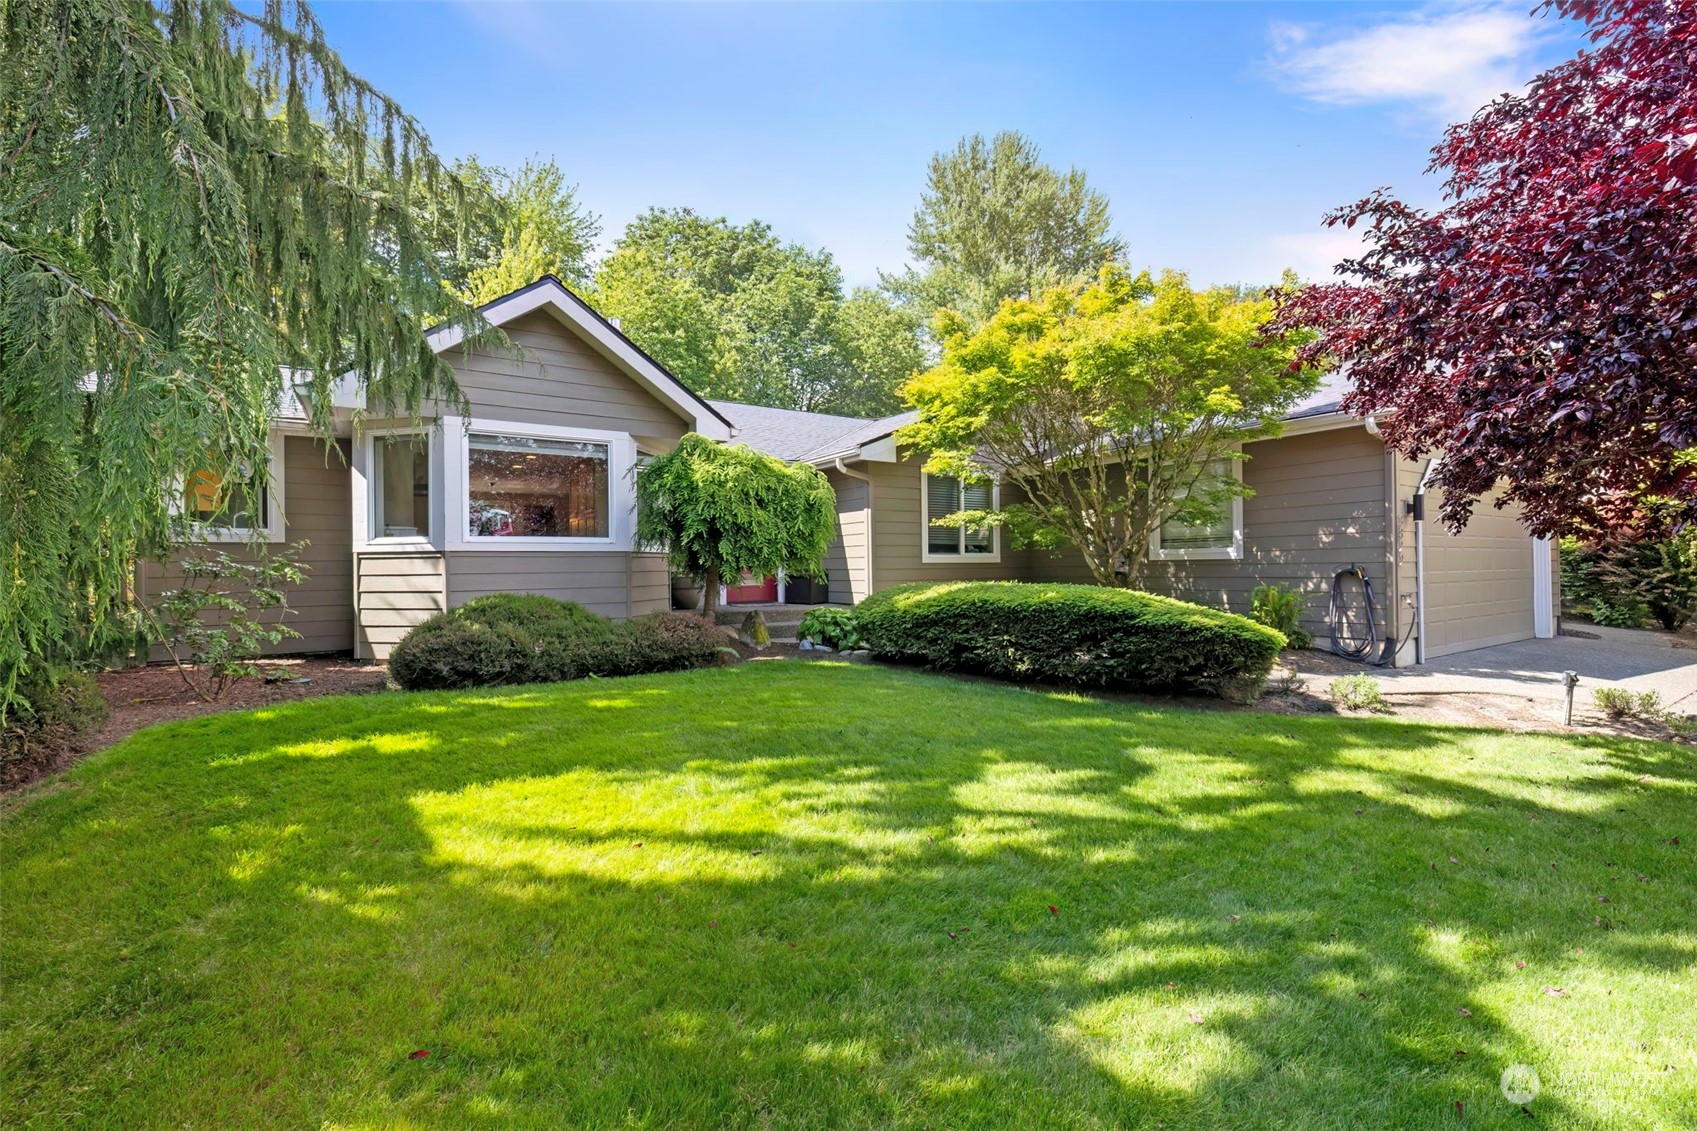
(846, 559)
(1479, 582)
(898, 538)
(1318, 507)
(396, 593)
(611, 584)
(559, 379)
(315, 510)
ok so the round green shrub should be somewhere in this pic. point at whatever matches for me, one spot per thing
(1075, 634)
(510, 638)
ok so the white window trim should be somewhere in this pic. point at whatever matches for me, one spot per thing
(274, 530)
(1234, 552)
(621, 488)
(925, 554)
(366, 473)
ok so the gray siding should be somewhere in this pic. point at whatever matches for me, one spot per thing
(316, 510)
(1319, 506)
(396, 592)
(846, 560)
(897, 521)
(559, 379)
(611, 583)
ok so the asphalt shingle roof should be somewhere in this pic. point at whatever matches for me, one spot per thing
(792, 435)
(806, 436)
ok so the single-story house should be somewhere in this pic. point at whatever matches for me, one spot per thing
(533, 493)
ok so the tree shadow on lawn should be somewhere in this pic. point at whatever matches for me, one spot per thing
(728, 900)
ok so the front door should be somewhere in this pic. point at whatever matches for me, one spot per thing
(750, 590)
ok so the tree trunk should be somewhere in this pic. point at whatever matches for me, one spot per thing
(710, 592)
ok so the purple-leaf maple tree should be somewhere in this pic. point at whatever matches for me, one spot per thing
(1540, 329)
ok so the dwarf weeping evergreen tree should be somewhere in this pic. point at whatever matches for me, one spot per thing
(719, 511)
(194, 199)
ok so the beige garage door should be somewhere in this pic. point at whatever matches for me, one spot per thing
(1479, 585)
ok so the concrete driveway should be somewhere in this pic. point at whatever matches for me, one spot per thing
(1638, 661)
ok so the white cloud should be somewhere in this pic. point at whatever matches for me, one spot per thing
(1449, 61)
(1313, 255)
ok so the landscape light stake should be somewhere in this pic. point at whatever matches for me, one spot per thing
(1570, 680)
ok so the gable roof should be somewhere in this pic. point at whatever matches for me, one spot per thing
(554, 297)
(807, 437)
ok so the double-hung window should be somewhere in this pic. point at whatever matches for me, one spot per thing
(944, 495)
(1217, 534)
(528, 487)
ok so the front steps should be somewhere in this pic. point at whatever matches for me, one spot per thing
(781, 620)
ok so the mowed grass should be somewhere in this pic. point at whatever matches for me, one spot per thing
(813, 895)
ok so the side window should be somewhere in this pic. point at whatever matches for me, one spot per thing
(946, 495)
(402, 489)
(1218, 533)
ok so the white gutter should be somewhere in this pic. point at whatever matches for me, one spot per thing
(866, 479)
(1420, 561)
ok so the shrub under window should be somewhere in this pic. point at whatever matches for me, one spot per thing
(511, 638)
(1078, 634)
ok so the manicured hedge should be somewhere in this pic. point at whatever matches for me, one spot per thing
(520, 638)
(1077, 634)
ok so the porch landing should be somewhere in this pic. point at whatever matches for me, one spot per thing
(781, 620)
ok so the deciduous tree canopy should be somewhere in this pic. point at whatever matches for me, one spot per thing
(1541, 327)
(1104, 406)
(736, 313)
(538, 227)
(996, 222)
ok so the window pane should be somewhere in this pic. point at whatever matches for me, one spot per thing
(201, 503)
(527, 488)
(1214, 534)
(977, 496)
(403, 487)
(942, 497)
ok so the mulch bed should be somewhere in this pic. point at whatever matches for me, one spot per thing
(140, 697)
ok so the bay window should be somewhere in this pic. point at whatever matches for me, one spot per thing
(401, 468)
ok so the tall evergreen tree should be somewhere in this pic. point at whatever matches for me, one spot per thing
(996, 222)
(194, 197)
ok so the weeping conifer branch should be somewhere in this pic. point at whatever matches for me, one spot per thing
(193, 199)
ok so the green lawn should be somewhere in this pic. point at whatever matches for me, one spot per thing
(808, 896)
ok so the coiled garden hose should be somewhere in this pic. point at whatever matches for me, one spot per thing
(1340, 613)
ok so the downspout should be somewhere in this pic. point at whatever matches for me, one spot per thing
(866, 479)
(1419, 508)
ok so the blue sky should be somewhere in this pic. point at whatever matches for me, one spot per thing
(1220, 131)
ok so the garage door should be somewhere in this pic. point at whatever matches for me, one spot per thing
(1479, 583)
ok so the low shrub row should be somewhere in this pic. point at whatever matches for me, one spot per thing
(1077, 634)
(511, 638)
